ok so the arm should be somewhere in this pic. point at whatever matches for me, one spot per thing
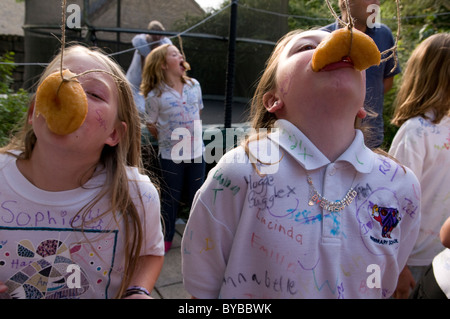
(152, 129)
(3, 288)
(147, 271)
(209, 233)
(405, 284)
(388, 83)
(445, 233)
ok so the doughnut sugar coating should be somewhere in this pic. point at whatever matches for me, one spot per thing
(186, 66)
(63, 105)
(363, 53)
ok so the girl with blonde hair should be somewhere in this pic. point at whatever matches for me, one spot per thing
(422, 111)
(81, 201)
(173, 105)
(305, 210)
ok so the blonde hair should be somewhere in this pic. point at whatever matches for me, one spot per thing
(114, 159)
(425, 82)
(153, 74)
(259, 116)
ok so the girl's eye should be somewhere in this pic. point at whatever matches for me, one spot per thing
(307, 47)
(95, 96)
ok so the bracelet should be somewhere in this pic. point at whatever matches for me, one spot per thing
(136, 290)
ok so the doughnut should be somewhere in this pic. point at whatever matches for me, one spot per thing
(63, 105)
(364, 52)
(186, 66)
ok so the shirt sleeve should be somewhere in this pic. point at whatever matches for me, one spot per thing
(151, 108)
(146, 199)
(200, 96)
(210, 232)
(140, 43)
(407, 148)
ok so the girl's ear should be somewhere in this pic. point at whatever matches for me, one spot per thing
(362, 113)
(272, 103)
(116, 135)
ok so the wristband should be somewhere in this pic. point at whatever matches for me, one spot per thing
(136, 290)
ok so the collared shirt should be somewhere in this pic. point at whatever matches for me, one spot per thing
(375, 76)
(254, 233)
(177, 119)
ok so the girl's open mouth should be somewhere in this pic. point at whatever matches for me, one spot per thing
(346, 62)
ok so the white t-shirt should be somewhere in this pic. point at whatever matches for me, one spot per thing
(252, 235)
(177, 119)
(39, 248)
(441, 270)
(425, 148)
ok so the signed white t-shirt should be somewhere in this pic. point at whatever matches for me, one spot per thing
(44, 254)
(253, 234)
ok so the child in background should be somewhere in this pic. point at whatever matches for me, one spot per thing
(305, 209)
(423, 144)
(173, 105)
(144, 44)
(79, 219)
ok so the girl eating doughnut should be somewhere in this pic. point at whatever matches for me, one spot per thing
(79, 218)
(307, 210)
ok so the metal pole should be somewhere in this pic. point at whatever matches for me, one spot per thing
(231, 63)
(118, 22)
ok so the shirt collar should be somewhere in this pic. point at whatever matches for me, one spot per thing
(294, 142)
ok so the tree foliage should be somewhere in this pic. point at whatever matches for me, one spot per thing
(13, 105)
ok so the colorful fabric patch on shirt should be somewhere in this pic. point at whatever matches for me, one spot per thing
(388, 218)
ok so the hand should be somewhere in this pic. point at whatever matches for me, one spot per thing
(4, 291)
(405, 284)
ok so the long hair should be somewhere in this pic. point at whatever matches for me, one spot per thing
(153, 76)
(425, 82)
(259, 116)
(114, 159)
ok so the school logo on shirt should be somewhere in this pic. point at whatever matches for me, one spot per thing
(388, 218)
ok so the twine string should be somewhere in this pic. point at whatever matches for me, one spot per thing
(391, 52)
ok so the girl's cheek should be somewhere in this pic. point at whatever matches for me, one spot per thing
(285, 85)
(101, 121)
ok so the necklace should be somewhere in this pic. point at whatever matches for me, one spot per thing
(316, 198)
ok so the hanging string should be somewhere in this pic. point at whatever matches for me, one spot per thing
(393, 50)
(181, 46)
(63, 45)
(63, 38)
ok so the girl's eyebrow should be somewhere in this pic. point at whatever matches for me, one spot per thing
(100, 84)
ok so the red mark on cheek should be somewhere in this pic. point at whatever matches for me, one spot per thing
(284, 87)
(101, 121)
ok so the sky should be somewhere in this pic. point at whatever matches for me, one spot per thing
(205, 4)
